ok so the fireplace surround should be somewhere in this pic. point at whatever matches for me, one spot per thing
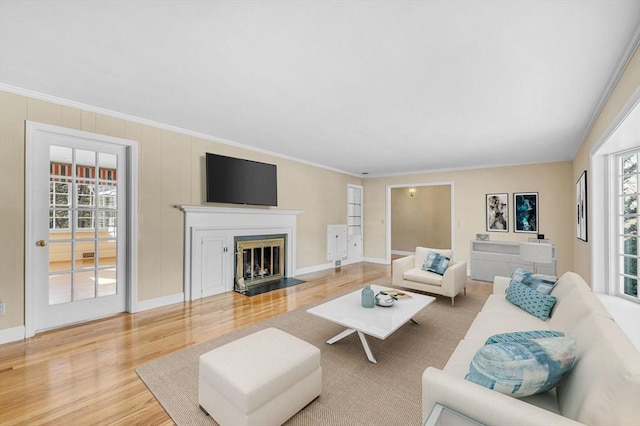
(209, 244)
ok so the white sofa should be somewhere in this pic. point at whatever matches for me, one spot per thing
(408, 273)
(603, 388)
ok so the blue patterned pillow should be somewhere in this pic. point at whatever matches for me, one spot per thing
(532, 301)
(520, 275)
(428, 260)
(435, 262)
(523, 368)
(518, 336)
(440, 264)
(539, 282)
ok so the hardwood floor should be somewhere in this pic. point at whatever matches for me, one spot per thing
(85, 374)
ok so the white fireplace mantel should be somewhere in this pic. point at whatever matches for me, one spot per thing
(232, 222)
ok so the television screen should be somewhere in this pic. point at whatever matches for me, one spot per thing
(239, 181)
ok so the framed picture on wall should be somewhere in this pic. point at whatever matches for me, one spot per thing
(497, 206)
(525, 212)
(581, 207)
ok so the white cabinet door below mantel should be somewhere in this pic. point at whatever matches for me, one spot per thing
(210, 259)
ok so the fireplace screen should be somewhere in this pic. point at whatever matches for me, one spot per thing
(259, 261)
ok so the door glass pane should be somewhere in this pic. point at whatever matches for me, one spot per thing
(86, 222)
(59, 203)
(60, 160)
(59, 288)
(59, 219)
(107, 282)
(85, 164)
(84, 285)
(108, 166)
(107, 195)
(59, 256)
(85, 254)
(85, 194)
(107, 253)
(107, 224)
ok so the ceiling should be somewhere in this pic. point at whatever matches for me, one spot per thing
(377, 87)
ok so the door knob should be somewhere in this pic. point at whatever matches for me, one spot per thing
(41, 243)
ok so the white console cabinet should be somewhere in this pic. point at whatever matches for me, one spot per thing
(491, 258)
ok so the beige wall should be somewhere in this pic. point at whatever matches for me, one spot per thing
(553, 182)
(628, 83)
(422, 220)
(171, 172)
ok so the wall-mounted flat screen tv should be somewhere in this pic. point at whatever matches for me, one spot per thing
(239, 181)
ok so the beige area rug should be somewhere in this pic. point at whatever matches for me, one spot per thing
(355, 391)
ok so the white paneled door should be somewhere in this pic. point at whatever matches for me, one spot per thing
(76, 246)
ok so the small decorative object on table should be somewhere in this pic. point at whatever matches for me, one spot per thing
(367, 297)
(384, 299)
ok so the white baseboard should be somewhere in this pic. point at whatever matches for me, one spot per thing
(375, 260)
(403, 253)
(325, 266)
(158, 302)
(12, 334)
(316, 268)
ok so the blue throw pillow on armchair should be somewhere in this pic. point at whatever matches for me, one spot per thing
(428, 260)
(435, 262)
(440, 265)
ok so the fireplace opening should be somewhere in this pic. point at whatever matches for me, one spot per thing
(259, 259)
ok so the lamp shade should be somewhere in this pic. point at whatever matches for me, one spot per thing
(536, 252)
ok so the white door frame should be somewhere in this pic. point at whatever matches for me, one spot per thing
(450, 184)
(131, 147)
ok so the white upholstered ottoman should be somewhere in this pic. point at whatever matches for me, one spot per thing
(260, 379)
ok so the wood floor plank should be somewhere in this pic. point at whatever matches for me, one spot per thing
(85, 374)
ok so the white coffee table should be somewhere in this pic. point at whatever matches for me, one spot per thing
(378, 321)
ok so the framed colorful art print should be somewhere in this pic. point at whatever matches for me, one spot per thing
(525, 212)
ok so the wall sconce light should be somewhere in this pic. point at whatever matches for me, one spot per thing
(412, 192)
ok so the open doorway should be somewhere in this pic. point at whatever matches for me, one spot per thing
(419, 215)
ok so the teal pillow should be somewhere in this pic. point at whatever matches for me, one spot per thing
(532, 301)
(518, 336)
(523, 368)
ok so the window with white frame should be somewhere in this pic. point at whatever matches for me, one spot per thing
(627, 202)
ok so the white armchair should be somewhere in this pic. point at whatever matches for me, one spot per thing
(408, 273)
